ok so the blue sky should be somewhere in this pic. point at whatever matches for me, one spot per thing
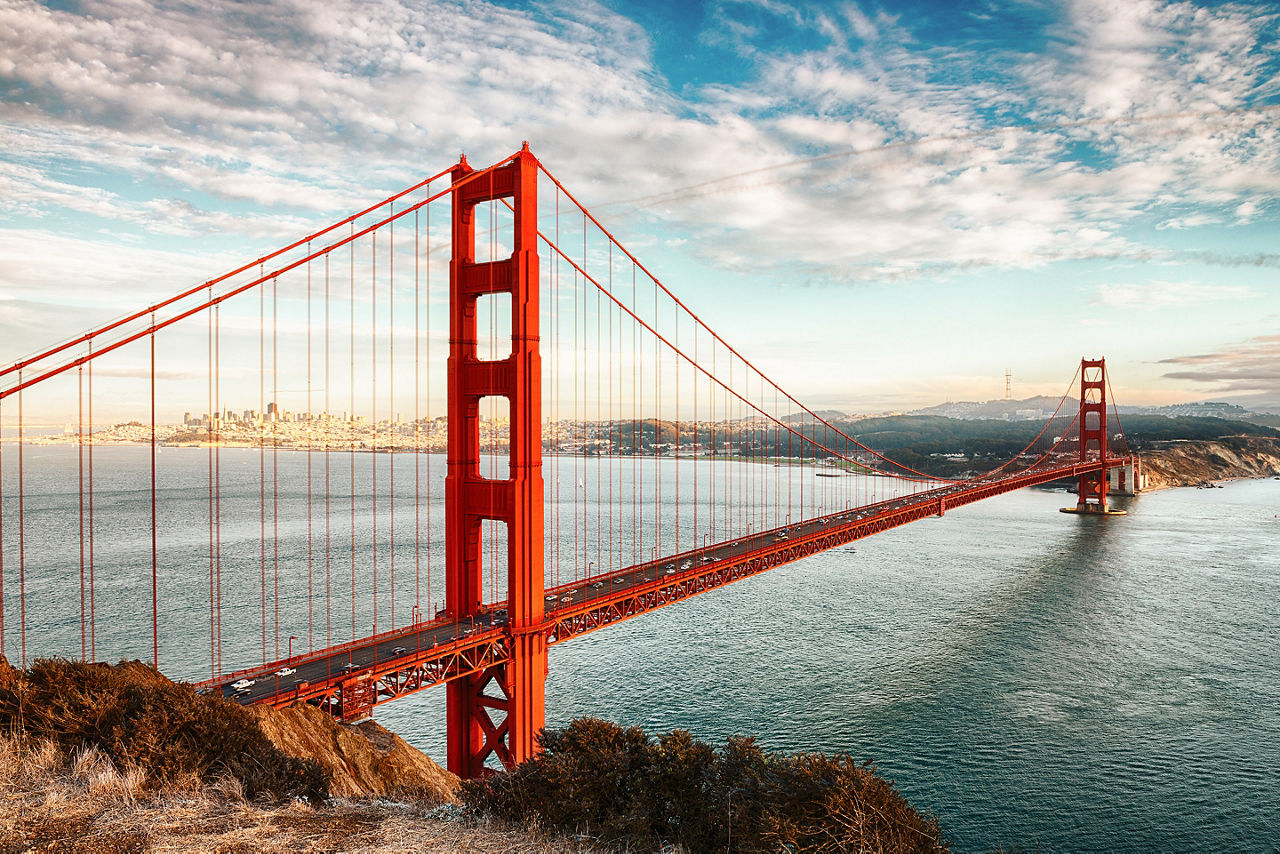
(884, 204)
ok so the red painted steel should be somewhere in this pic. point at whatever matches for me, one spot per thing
(137, 315)
(479, 654)
(474, 735)
(1091, 494)
(493, 657)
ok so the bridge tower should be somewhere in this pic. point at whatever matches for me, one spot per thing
(1092, 489)
(515, 690)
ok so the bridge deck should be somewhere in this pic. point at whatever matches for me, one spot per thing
(350, 678)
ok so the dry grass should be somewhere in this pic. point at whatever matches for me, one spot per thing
(81, 803)
(137, 717)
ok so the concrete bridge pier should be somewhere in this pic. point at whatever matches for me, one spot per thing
(1127, 479)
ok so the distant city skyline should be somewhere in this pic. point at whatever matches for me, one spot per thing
(885, 206)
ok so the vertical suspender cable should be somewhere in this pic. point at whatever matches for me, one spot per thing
(557, 391)
(2, 647)
(217, 474)
(262, 461)
(80, 503)
(275, 463)
(391, 404)
(155, 553)
(493, 433)
(417, 425)
(675, 365)
(657, 431)
(599, 383)
(311, 420)
(351, 447)
(328, 490)
(612, 362)
(373, 414)
(637, 434)
(210, 414)
(22, 537)
(430, 602)
(93, 634)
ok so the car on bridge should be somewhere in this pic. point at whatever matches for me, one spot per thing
(243, 684)
(286, 671)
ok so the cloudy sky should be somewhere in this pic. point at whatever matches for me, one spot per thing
(885, 205)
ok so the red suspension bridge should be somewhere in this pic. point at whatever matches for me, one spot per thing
(321, 532)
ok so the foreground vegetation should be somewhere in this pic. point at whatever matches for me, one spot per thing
(98, 758)
(137, 719)
(638, 792)
(80, 802)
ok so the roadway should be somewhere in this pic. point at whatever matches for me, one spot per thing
(408, 646)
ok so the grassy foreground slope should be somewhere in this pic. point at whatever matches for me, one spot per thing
(643, 793)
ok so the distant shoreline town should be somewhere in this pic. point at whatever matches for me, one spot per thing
(285, 430)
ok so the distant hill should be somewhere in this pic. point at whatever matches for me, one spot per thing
(806, 418)
(1040, 408)
(954, 446)
(1028, 409)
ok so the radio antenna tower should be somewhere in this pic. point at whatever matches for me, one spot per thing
(1008, 384)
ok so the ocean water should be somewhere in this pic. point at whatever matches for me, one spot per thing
(1036, 679)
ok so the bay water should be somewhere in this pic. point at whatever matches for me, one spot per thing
(1035, 679)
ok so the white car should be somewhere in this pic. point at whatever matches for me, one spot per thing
(286, 671)
(243, 684)
(598, 585)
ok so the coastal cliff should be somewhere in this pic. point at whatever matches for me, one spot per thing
(1190, 463)
(363, 759)
(118, 758)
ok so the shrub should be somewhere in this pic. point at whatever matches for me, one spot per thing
(626, 787)
(140, 719)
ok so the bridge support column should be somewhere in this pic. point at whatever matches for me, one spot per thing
(500, 711)
(1091, 490)
(1127, 479)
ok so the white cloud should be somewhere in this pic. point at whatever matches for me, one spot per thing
(259, 117)
(1156, 295)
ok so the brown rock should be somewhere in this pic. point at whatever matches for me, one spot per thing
(1194, 462)
(364, 759)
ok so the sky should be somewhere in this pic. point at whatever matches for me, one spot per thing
(883, 205)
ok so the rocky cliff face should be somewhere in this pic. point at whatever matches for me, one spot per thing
(364, 759)
(1192, 463)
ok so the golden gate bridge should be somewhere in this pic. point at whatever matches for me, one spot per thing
(607, 453)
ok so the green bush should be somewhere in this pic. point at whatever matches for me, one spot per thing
(139, 718)
(626, 787)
